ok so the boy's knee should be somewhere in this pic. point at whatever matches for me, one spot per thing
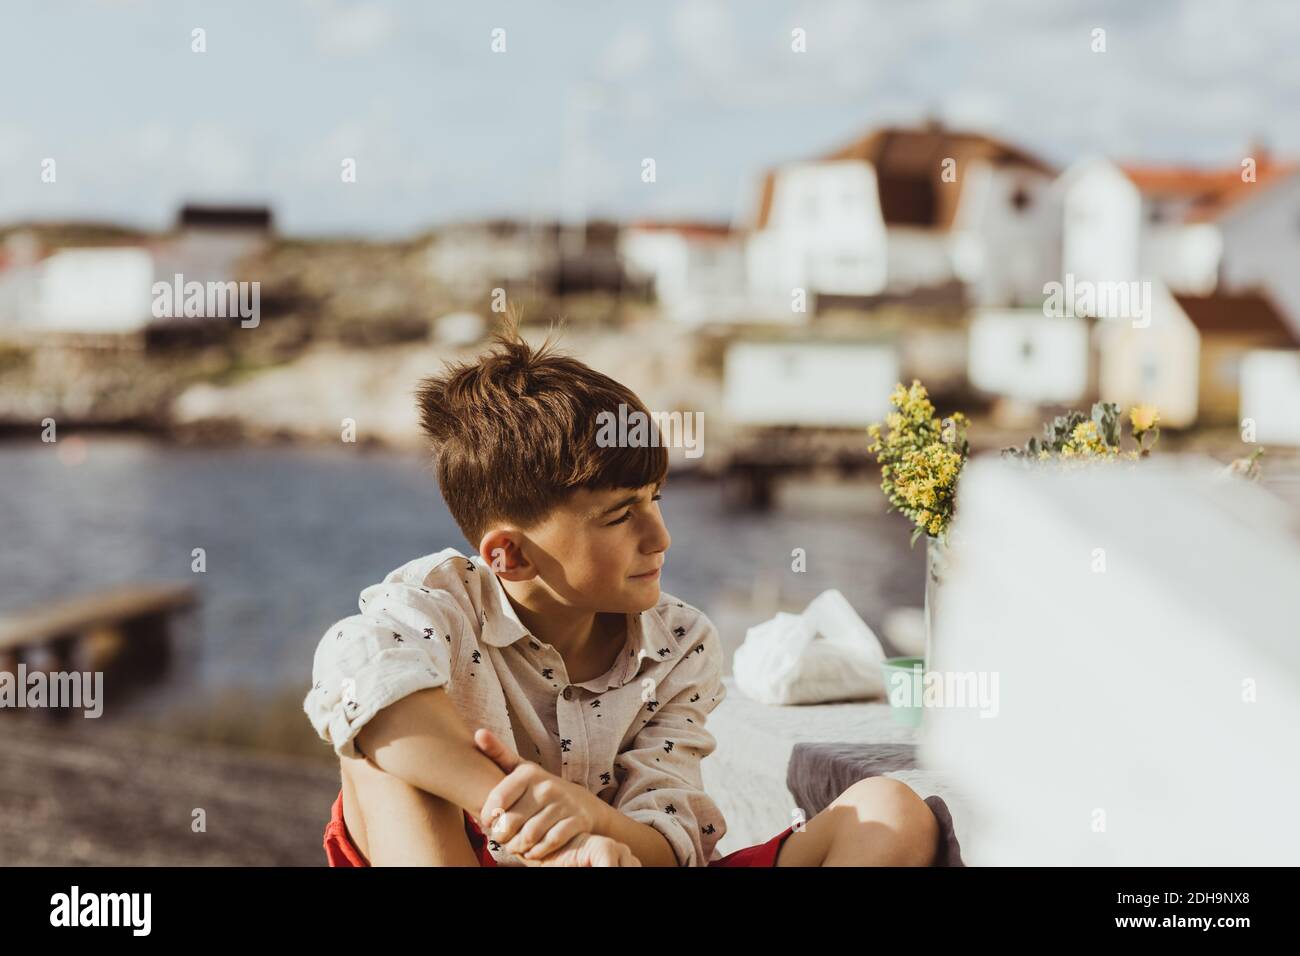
(914, 828)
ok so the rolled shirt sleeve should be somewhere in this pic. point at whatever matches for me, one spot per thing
(662, 786)
(401, 642)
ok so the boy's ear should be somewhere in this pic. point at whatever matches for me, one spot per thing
(504, 553)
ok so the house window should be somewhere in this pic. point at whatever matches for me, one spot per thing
(1228, 371)
(1021, 199)
(1150, 371)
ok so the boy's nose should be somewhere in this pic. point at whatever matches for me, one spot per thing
(658, 538)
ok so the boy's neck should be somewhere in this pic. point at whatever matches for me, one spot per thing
(571, 631)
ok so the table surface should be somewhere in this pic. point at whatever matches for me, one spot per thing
(748, 774)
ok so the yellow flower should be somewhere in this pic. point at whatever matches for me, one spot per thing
(1143, 418)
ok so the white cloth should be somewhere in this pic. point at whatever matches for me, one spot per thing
(826, 653)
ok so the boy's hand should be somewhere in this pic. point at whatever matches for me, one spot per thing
(533, 813)
(589, 849)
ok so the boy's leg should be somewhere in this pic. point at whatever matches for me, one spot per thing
(878, 821)
(395, 824)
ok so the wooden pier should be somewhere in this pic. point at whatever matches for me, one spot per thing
(125, 632)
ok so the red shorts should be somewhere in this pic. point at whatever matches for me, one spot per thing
(340, 850)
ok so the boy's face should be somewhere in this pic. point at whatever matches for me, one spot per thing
(601, 550)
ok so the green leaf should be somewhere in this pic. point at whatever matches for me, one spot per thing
(1106, 417)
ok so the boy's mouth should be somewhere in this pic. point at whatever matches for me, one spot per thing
(648, 576)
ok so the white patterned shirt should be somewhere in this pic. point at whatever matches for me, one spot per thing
(634, 736)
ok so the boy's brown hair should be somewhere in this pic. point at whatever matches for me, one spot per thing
(514, 433)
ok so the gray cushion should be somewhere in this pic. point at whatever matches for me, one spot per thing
(820, 772)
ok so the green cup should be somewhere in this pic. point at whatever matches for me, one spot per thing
(904, 679)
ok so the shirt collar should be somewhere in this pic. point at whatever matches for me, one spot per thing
(648, 637)
(502, 625)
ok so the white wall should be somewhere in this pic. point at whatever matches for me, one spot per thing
(918, 258)
(1015, 250)
(1270, 395)
(1122, 736)
(658, 254)
(826, 231)
(95, 290)
(1157, 365)
(1102, 213)
(465, 258)
(833, 384)
(1261, 246)
(1026, 355)
(701, 280)
(1185, 256)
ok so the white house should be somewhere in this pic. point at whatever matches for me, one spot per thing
(697, 270)
(1027, 356)
(810, 383)
(1261, 240)
(1196, 230)
(471, 257)
(110, 290)
(1156, 363)
(1100, 211)
(91, 291)
(820, 229)
(903, 210)
(1270, 395)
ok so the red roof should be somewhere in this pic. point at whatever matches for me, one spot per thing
(1250, 313)
(1211, 192)
(909, 168)
(693, 230)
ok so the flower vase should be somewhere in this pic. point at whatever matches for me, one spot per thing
(936, 561)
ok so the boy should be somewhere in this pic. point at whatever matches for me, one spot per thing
(544, 689)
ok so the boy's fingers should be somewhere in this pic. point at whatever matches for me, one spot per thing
(493, 747)
(555, 839)
(501, 798)
(533, 831)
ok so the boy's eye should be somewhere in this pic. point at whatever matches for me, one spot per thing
(629, 512)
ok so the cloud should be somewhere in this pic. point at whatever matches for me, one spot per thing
(352, 30)
(627, 54)
(219, 158)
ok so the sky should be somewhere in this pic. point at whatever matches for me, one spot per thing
(442, 127)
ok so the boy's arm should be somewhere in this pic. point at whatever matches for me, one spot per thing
(422, 740)
(650, 846)
(380, 691)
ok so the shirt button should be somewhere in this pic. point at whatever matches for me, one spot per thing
(568, 693)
